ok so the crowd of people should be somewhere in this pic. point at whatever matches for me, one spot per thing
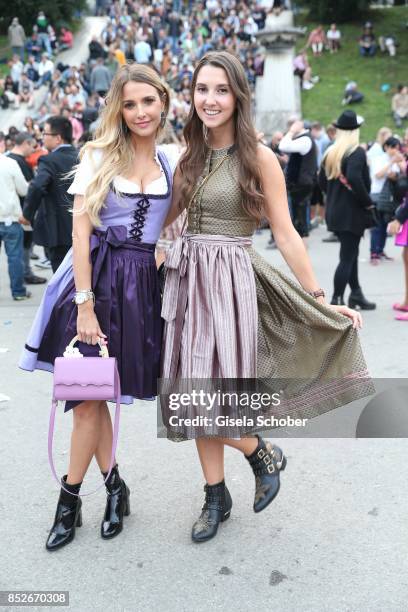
(326, 171)
(172, 39)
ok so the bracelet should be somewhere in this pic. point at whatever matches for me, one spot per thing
(318, 293)
(80, 297)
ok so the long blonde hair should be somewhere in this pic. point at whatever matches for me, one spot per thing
(345, 143)
(113, 137)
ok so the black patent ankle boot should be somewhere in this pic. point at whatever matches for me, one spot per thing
(266, 462)
(68, 516)
(117, 505)
(358, 300)
(216, 509)
(337, 300)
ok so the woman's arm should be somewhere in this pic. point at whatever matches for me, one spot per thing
(87, 324)
(176, 206)
(287, 239)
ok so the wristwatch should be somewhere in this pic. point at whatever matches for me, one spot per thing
(81, 297)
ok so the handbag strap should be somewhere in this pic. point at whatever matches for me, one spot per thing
(114, 439)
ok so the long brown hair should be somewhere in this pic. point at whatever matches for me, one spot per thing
(193, 160)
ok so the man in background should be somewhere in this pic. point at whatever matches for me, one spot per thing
(300, 172)
(12, 186)
(23, 147)
(47, 205)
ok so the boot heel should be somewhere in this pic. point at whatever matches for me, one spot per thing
(283, 465)
(126, 511)
(226, 516)
(79, 519)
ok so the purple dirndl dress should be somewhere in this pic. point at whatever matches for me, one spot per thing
(127, 293)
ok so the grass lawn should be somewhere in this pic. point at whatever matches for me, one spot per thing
(4, 52)
(323, 102)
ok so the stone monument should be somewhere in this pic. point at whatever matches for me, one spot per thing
(278, 90)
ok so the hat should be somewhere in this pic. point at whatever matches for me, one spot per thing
(348, 121)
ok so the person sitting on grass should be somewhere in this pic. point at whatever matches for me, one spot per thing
(367, 42)
(333, 36)
(317, 40)
(399, 105)
(388, 43)
(303, 70)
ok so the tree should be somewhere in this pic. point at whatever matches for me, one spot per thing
(59, 12)
(338, 11)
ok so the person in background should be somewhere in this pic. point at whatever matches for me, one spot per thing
(54, 221)
(345, 179)
(34, 46)
(388, 43)
(26, 90)
(12, 186)
(377, 148)
(45, 70)
(401, 217)
(384, 169)
(351, 94)
(23, 147)
(300, 173)
(66, 39)
(320, 138)
(31, 69)
(367, 44)
(142, 52)
(317, 40)
(43, 32)
(16, 70)
(17, 38)
(283, 159)
(399, 105)
(303, 70)
(101, 78)
(333, 36)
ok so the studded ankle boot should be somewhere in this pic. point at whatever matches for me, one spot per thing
(216, 509)
(68, 516)
(266, 462)
(117, 504)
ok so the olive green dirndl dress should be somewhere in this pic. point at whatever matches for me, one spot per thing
(228, 314)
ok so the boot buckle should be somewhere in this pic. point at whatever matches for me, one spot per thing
(270, 468)
(261, 453)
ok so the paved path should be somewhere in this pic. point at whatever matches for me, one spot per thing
(334, 540)
(74, 57)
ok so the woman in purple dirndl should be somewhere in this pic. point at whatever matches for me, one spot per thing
(107, 287)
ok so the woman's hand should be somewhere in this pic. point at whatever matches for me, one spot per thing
(351, 314)
(394, 227)
(88, 329)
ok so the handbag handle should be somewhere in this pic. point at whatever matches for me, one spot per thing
(115, 434)
(103, 349)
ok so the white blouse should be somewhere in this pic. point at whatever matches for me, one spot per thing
(91, 161)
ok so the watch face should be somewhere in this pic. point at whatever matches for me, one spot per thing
(80, 299)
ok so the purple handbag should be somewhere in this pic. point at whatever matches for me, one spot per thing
(85, 378)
